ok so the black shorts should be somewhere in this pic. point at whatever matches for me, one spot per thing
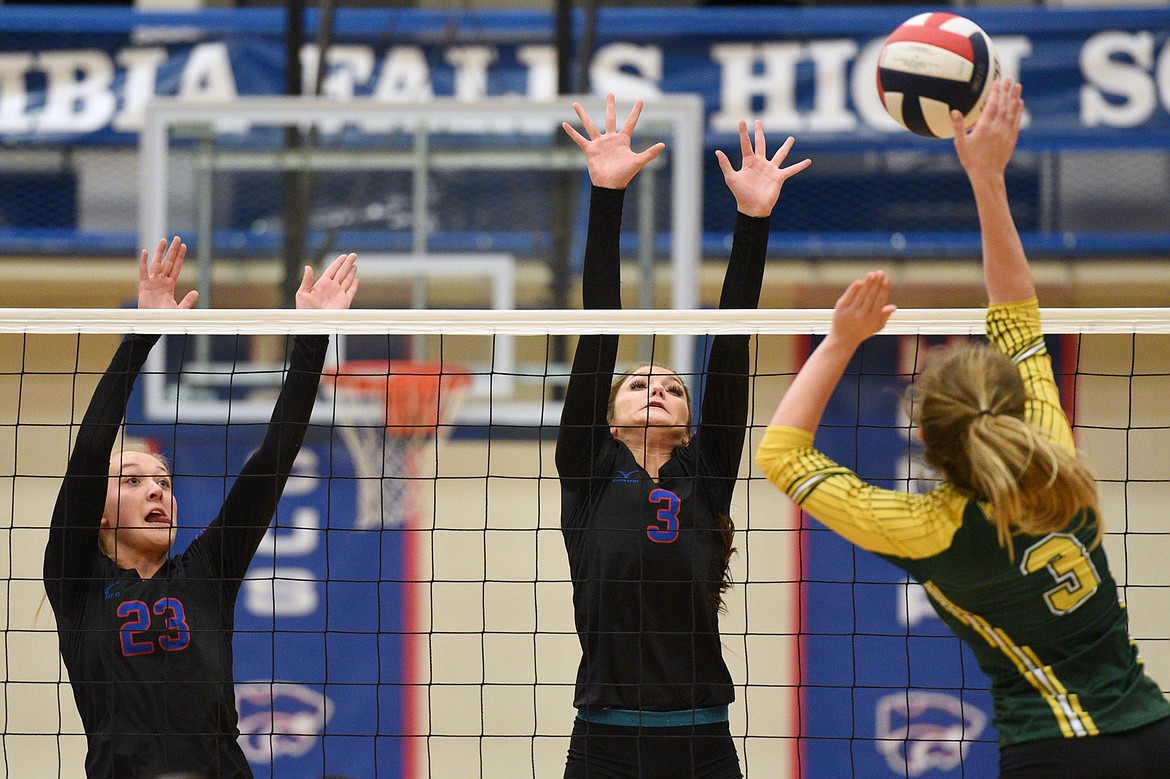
(1143, 753)
(599, 751)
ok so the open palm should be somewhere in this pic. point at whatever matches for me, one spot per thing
(609, 156)
(757, 184)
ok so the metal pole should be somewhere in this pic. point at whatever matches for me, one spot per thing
(296, 185)
(647, 186)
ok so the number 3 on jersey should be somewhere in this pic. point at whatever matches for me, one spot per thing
(666, 531)
(1068, 562)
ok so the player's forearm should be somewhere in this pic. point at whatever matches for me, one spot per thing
(601, 283)
(745, 268)
(1005, 265)
(805, 401)
(583, 416)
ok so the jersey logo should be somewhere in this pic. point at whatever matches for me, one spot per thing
(666, 531)
(138, 618)
(106, 594)
(626, 477)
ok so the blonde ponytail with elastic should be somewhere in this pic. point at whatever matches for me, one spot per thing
(970, 406)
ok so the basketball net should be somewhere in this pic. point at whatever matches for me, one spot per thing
(419, 400)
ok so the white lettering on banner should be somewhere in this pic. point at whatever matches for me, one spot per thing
(1126, 78)
(281, 592)
(866, 100)
(1117, 63)
(305, 475)
(141, 66)
(208, 74)
(78, 96)
(630, 72)
(541, 63)
(298, 537)
(14, 116)
(774, 86)
(830, 70)
(765, 76)
(471, 70)
(404, 76)
(346, 67)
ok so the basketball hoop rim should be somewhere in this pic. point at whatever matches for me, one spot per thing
(420, 397)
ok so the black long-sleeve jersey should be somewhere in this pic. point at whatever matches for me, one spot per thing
(646, 556)
(150, 661)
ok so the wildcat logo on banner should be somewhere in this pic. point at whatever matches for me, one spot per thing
(280, 720)
(918, 731)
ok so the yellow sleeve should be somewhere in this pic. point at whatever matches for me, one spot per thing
(1015, 329)
(882, 521)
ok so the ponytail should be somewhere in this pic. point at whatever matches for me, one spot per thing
(970, 406)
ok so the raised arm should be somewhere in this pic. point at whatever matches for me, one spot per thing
(230, 541)
(756, 187)
(859, 313)
(612, 164)
(73, 531)
(884, 521)
(984, 152)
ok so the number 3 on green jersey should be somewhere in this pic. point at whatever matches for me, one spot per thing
(1066, 558)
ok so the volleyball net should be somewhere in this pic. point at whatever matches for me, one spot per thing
(410, 611)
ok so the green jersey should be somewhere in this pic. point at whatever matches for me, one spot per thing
(1044, 621)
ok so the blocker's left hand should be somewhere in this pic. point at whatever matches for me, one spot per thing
(336, 287)
(756, 185)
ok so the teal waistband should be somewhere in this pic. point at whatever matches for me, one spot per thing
(653, 719)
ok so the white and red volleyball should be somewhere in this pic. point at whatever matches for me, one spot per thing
(933, 63)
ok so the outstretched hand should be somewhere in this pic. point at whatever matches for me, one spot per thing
(336, 287)
(756, 185)
(863, 310)
(987, 147)
(158, 277)
(609, 156)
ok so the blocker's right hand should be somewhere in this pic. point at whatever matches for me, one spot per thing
(336, 287)
(611, 161)
(158, 277)
(986, 148)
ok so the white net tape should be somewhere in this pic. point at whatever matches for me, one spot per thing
(475, 322)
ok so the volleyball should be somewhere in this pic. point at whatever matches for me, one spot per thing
(933, 63)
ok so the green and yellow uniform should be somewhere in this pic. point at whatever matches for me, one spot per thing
(1045, 621)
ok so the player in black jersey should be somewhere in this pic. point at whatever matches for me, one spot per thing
(645, 502)
(1008, 545)
(146, 636)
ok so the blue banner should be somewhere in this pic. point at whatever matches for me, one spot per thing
(1092, 77)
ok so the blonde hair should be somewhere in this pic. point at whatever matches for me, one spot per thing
(620, 379)
(969, 404)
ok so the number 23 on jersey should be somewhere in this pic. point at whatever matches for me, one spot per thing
(137, 616)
